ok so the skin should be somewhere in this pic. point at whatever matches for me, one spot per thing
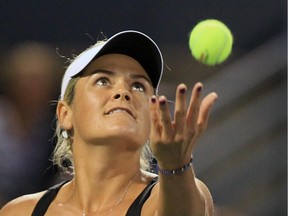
(107, 146)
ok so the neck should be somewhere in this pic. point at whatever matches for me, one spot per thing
(101, 180)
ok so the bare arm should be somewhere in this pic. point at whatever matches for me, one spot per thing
(172, 142)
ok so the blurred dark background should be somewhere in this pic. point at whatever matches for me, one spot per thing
(243, 155)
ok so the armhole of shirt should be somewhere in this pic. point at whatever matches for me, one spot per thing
(136, 206)
(45, 201)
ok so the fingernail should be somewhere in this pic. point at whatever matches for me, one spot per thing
(199, 88)
(153, 99)
(182, 90)
(162, 102)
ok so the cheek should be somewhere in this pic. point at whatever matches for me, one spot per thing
(148, 125)
(145, 115)
(86, 109)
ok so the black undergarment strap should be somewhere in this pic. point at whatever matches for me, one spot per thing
(136, 207)
(134, 210)
(45, 201)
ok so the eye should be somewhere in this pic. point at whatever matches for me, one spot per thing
(103, 81)
(138, 87)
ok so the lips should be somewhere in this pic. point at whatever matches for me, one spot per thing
(120, 110)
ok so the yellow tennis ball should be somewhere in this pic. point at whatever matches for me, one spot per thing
(211, 42)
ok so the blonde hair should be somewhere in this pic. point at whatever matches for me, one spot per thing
(63, 153)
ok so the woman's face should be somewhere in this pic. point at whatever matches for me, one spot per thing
(111, 102)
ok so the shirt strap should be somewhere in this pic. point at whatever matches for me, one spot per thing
(45, 201)
(136, 206)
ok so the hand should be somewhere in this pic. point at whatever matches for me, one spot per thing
(173, 141)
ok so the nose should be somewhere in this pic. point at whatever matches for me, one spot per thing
(122, 93)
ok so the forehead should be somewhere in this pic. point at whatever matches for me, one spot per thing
(116, 63)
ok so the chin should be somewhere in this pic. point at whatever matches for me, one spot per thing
(122, 131)
(125, 134)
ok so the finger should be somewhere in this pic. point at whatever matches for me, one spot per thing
(165, 119)
(180, 111)
(154, 119)
(205, 110)
(193, 109)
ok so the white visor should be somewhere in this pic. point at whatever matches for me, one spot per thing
(132, 43)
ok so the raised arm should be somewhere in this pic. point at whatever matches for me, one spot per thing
(172, 143)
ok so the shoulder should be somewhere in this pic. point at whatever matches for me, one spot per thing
(147, 177)
(23, 205)
(207, 196)
(201, 187)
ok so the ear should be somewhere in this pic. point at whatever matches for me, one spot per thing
(64, 115)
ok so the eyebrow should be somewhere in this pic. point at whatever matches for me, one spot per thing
(102, 71)
(138, 76)
(133, 76)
